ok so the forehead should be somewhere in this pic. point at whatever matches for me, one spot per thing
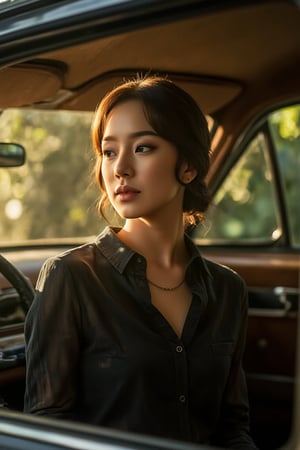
(126, 117)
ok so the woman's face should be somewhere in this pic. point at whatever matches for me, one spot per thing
(138, 166)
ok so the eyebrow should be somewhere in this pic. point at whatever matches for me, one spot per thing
(132, 135)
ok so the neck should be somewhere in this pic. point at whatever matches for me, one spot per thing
(160, 244)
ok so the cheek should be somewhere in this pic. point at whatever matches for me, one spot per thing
(107, 186)
(164, 173)
(106, 176)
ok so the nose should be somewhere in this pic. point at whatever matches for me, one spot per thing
(123, 166)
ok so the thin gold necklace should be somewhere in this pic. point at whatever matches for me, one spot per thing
(165, 288)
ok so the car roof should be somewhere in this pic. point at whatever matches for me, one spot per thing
(250, 51)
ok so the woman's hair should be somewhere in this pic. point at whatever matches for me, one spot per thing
(175, 116)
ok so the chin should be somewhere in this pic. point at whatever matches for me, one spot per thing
(127, 215)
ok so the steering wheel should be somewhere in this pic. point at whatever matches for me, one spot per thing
(19, 281)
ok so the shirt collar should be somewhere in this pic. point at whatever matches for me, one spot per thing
(195, 255)
(113, 248)
(119, 254)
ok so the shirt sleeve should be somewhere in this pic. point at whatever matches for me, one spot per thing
(52, 339)
(233, 429)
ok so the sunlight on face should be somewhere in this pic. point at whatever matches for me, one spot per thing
(138, 166)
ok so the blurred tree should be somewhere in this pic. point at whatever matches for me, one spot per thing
(55, 188)
(245, 206)
(285, 130)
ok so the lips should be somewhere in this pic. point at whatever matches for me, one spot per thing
(126, 193)
(126, 190)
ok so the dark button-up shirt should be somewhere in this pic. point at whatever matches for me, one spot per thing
(98, 351)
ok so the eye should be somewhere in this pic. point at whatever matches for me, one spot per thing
(108, 153)
(144, 148)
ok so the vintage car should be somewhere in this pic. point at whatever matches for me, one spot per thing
(241, 62)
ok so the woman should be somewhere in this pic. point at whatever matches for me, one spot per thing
(136, 331)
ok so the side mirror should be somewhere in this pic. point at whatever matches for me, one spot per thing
(11, 155)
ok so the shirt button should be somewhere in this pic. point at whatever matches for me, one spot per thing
(182, 398)
(179, 349)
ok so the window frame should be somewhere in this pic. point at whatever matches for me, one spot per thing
(258, 125)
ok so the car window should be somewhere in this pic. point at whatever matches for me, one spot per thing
(54, 194)
(285, 133)
(246, 207)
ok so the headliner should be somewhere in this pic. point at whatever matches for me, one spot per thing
(216, 57)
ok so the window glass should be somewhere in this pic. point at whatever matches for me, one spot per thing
(285, 131)
(54, 194)
(244, 206)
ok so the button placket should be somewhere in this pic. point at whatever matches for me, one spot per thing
(181, 370)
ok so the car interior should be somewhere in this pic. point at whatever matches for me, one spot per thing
(242, 66)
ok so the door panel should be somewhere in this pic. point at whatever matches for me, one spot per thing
(270, 353)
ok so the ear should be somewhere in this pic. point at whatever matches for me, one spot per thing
(187, 173)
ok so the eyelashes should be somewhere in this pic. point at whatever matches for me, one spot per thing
(107, 153)
(143, 148)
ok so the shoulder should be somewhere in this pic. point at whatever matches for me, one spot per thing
(225, 282)
(79, 256)
(223, 272)
(217, 274)
(68, 265)
(84, 261)
(71, 257)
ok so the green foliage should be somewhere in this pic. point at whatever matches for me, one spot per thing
(285, 130)
(54, 194)
(245, 207)
(286, 123)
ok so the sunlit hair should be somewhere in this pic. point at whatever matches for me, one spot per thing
(175, 116)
